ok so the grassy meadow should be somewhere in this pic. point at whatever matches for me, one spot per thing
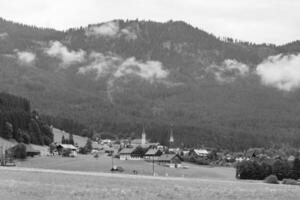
(49, 185)
(103, 164)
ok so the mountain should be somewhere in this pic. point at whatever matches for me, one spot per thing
(119, 76)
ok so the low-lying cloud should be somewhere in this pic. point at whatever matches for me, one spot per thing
(117, 67)
(281, 71)
(25, 57)
(111, 29)
(228, 71)
(4, 36)
(149, 70)
(67, 57)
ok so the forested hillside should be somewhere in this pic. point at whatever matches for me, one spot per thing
(19, 123)
(117, 76)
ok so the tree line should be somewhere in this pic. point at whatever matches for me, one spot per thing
(18, 122)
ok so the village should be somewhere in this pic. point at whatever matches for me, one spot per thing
(132, 156)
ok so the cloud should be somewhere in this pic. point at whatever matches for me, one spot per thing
(149, 70)
(111, 29)
(102, 65)
(25, 57)
(129, 33)
(68, 57)
(228, 71)
(117, 67)
(114, 67)
(280, 71)
(4, 36)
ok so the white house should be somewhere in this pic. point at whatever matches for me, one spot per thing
(202, 153)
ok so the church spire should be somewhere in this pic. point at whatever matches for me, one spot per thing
(143, 136)
(171, 135)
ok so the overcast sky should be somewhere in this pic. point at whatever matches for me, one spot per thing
(271, 21)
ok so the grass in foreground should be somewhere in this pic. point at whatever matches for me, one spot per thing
(43, 185)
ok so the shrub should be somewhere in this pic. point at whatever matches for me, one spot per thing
(96, 155)
(289, 182)
(281, 169)
(248, 169)
(19, 151)
(66, 152)
(83, 150)
(272, 179)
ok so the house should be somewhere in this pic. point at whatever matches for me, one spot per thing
(171, 160)
(106, 142)
(30, 151)
(152, 154)
(127, 154)
(198, 153)
(68, 150)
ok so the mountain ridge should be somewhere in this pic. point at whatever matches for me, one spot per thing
(117, 76)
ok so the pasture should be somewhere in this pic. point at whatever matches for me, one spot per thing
(104, 163)
(35, 184)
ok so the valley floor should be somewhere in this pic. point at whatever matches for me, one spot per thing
(35, 184)
(88, 163)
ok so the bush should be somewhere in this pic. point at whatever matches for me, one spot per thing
(66, 152)
(248, 169)
(272, 179)
(281, 169)
(289, 182)
(19, 151)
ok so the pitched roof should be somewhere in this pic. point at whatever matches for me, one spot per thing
(67, 146)
(127, 151)
(151, 152)
(29, 148)
(167, 157)
(200, 151)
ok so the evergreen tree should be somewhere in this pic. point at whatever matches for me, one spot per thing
(88, 146)
(71, 140)
(63, 141)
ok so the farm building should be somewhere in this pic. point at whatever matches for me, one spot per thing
(30, 151)
(172, 160)
(67, 150)
(126, 153)
(198, 153)
(152, 154)
(130, 154)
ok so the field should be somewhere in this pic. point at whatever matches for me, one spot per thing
(81, 141)
(104, 163)
(35, 184)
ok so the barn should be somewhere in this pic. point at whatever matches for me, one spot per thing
(152, 154)
(171, 160)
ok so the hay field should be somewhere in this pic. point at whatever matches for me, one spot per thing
(18, 184)
(103, 164)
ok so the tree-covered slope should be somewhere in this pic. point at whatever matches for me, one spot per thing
(117, 76)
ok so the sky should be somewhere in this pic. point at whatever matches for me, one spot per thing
(259, 21)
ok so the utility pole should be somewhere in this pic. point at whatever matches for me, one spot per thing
(153, 166)
(112, 161)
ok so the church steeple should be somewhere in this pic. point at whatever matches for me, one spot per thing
(143, 137)
(171, 135)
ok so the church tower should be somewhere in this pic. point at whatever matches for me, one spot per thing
(171, 136)
(143, 137)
